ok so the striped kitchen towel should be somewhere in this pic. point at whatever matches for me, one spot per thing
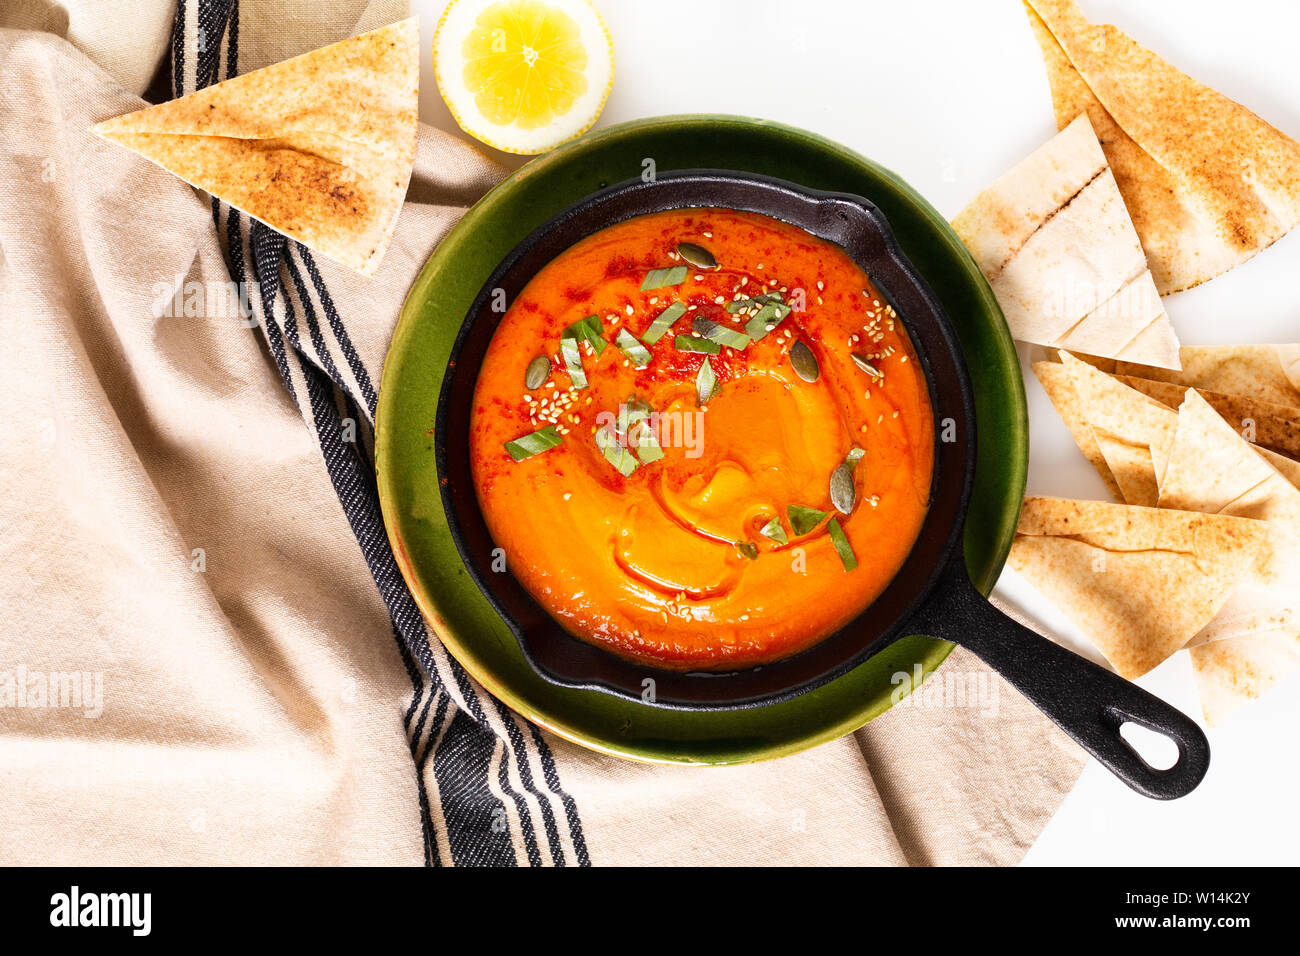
(191, 541)
(482, 754)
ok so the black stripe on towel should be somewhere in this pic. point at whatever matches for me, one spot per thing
(474, 818)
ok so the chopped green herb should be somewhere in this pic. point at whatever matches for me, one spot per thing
(747, 549)
(632, 348)
(842, 546)
(740, 305)
(614, 452)
(689, 343)
(642, 438)
(775, 531)
(590, 330)
(632, 411)
(572, 355)
(526, 446)
(663, 322)
(766, 319)
(720, 333)
(706, 382)
(803, 520)
(634, 423)
(659, 278)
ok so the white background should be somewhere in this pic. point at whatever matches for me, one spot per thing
(949, 94)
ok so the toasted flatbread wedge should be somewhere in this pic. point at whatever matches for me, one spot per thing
(1262, 373)
(1231, 673)
(1056, 243)
(1207, 182)
(1213, 469)
(1133, 432)
(1275, 427)
(319, 147)
(1140, 582)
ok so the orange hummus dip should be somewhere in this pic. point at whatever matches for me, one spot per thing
(656, 464)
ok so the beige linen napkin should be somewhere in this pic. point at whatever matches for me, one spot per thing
(199, 667)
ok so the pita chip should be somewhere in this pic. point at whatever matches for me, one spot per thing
(1140, 582)
(1133, 432)
(1262, 373)
(1232, 673)
(319, 147)
(1254, 638)
(1213, 469)
(1207, 182)
(1275, 427)
(1056, 243)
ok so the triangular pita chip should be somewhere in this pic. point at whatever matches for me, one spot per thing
(1133, 432)
(1138, 581)
(1207, 182)
(1056, 243)
(1214, 470)
(319, 147)
(1144, 429)
(1230, 673)
(1263, 373)
(1275, 427)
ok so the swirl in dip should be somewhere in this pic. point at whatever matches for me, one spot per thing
(664, 489)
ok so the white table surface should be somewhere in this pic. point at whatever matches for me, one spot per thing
(949, 94)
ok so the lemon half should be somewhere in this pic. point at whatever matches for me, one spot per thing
(523, 75)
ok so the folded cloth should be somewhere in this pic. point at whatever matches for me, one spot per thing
(251, 686)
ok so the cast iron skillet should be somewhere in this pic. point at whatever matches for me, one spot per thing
(932, 593)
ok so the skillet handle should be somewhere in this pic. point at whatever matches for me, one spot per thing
(1085, 700)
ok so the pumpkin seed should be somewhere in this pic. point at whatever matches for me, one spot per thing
(843, 491)
(697, 256)
(864, 363)
(804, 362)
(538, 370)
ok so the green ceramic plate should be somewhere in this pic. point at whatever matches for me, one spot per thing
(413, 372)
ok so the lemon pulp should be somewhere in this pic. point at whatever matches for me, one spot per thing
(524, 63)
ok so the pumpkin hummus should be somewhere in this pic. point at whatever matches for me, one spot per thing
(701, 439)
